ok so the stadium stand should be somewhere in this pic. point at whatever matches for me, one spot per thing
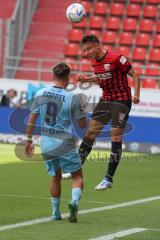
(6, 10)
(130, 27)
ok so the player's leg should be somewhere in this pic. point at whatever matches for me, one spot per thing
(55, 191)
(71, 162)
(53, 168)
(77, 187)
(98, 119)
(120, 113)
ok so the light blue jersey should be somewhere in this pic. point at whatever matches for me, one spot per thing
(57, 108)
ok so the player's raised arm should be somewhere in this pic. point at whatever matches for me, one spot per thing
(83, 78)
(136, 82)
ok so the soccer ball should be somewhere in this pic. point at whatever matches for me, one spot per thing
(75, 12)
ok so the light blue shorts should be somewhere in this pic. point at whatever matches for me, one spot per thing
(69, 162)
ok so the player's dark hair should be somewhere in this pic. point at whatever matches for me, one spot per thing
(89, 38)
(61, 70)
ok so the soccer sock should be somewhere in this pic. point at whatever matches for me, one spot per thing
(85, 148)
(76, 194)
(114, 159)
(55, 205)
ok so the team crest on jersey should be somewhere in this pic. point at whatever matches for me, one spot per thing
(107, 67)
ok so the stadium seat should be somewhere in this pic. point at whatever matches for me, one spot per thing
(109, 37)
(116, 9)
(133, 10)
(138, 67)
(124, 50)
(100, 8)
(87, 6)
(142, 39)
(84, 66)
(139, 54)
(158, 26)
(125, 38)
(96, 22)
(156, 40)
(150, 11)
(82, 24)
(71, 49)
(152, 70)
(94, 32)
(130, 82)
(72, 63)
(136, 1)
(154, 55)
(148, 83)
(113, 23)
(146, 25)
(129, 24)
(152, 1)
(75, 35)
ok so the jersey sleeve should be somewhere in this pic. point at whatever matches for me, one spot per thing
(35, 106)
(77, 107)
(123, 64)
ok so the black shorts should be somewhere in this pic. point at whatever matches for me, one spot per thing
(117, 111)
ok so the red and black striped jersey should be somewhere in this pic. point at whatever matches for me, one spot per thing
(111, 73)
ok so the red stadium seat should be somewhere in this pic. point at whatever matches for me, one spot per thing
(129, 24)
(85, 66)
(150, 11)
(156, 40)
(136, 1)
(138, 67)
(72, 63)
(142, 39)
(71, 49)
(116, 9)
(146, 25)
(124, 50)
(139, 54)
(152, 70)
(158, 27)
(153, 1)
(113, 23)
(130, 82)
(87, 6)
(100, 8)
(109, 37)
(133, 10)
(125, 38)
(96, 22)
(75, 35)
(82, 24)
(148, 83)
(154, 55)
(94, 32)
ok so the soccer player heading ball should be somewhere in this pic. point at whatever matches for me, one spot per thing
(110, 71)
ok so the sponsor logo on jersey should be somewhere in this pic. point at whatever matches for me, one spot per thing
(123, 60)
(107, 67)
(104, 76)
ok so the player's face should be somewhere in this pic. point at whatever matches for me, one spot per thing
(90, 50)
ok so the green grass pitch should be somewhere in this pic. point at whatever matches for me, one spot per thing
(24, 196)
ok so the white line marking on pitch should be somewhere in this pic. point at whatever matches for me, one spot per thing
(47, 219)
(43, 198)
(120, 234)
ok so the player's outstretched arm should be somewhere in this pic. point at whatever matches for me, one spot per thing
(83, 78)
(136, 82)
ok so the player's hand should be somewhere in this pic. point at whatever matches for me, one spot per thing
(135, 99)
(81, 78)
(29, 148)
